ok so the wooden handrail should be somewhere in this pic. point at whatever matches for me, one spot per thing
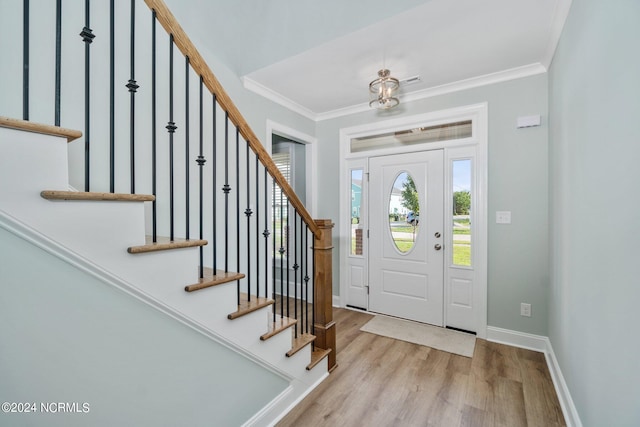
(182, 42)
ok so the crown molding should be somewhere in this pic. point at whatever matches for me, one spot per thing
(274, 96)
(346, 111)
(484, 80)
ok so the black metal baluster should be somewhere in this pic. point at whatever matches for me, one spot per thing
(282, 250)
(226, 188)
(273, 257)
(295, 270)
(286, 235)
(25, 60)
(266, 234)
(58, 61)
(87, 37)
(214, 160)
(133, 88)
(112, 97)
(201, 161)
(153, 126)
(238, 212)
(306, 276)
(313, 292)
(258, 228)
(303, 296)
(303, 301)
(248, 212)
(171, 128)
(186, 147)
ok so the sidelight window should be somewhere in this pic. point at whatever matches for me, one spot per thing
(461, 219)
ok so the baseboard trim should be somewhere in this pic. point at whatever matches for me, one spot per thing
(517, 339)
(542, 344)
(336, 301)
(295, 402)
(571, 417)
(258, 418)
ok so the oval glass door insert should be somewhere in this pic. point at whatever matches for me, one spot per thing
(404, 212)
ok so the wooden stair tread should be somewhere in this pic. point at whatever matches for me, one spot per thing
(247, 307)
(164, 243)
(299, 343)
(281, 324)
(210, 279)
(316, 357)
(81, 195)
(28, 126)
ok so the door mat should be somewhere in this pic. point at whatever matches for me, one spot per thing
(422, 334)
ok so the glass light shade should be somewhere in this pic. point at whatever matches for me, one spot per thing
(383, 90)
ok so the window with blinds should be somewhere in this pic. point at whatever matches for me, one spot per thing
(280, 201)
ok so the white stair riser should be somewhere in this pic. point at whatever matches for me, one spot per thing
(31, 162)
(210, 303)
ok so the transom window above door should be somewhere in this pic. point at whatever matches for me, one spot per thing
(408, 137)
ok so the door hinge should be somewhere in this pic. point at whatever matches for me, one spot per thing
(367, 233)
(367, 173)
(367, 286)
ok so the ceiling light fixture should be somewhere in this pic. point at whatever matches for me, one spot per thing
(383, 90)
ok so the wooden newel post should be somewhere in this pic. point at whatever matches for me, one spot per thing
(325, 327)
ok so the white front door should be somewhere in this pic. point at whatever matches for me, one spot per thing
(406, 262)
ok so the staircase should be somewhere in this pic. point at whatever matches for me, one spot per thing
(175, 245)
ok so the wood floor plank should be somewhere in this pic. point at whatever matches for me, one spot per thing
(384, 382)
(509, 407)
(539, 393)
(478, 392)
(474, 417)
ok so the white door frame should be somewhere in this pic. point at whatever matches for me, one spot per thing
(311, 154)
(478, 113)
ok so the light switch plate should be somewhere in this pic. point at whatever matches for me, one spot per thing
(503, 217)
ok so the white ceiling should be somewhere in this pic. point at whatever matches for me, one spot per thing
(318, 57)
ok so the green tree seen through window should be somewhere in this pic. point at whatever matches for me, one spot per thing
(410, 196)
(461, 202)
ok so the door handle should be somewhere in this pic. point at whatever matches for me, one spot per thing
(437, 247)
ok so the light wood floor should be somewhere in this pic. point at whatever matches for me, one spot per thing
(384, 382)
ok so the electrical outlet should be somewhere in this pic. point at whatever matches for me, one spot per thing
(525, 309)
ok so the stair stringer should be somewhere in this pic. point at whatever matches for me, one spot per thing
(101, 232)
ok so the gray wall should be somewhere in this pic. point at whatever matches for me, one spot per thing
(68, 337)
(594, 152)
(518, 166)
